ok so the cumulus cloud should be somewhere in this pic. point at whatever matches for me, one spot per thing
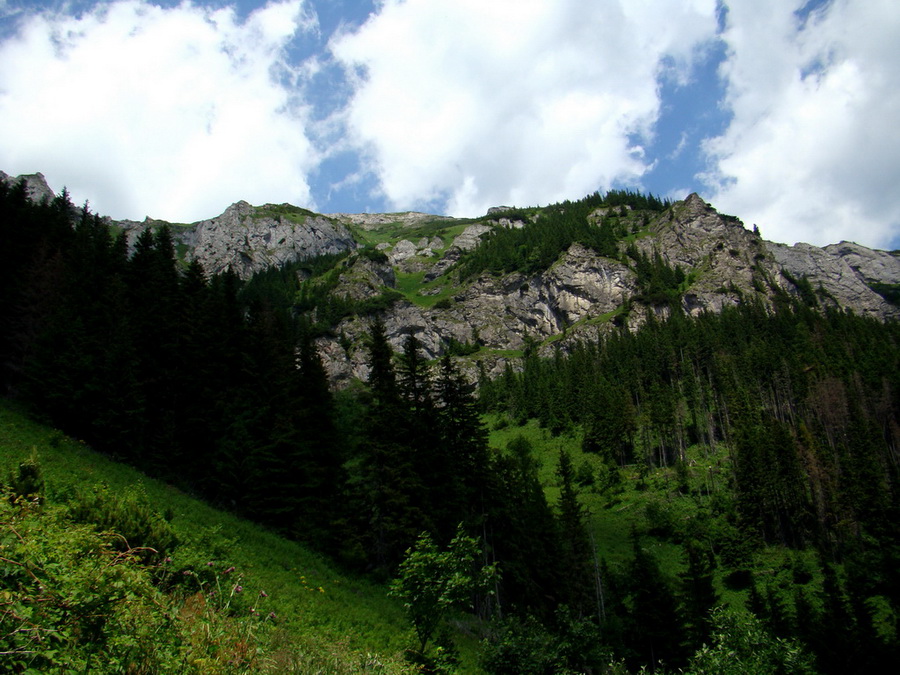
(464, 104)
(171, 112)
(813, 151)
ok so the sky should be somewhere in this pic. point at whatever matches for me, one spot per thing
(785, 113)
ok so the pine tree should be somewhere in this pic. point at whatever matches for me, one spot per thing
(656, 633)
(463, 447)
(577, 556)
(391, 491)
(698, 594)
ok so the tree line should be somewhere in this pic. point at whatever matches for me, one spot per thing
(532, 248)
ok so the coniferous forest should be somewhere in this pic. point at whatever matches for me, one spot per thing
(214, 385)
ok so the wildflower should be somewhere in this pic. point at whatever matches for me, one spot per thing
(321, 590)
(272, 615)
(229, 570)
(238, 589)
(263, 594)
(209, 564)
(187, 573)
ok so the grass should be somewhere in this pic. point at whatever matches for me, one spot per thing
(391, 233)
(653, 505)
(329, 621)
(333, 622)
(411, 285)
(650, 503)
(288, 212)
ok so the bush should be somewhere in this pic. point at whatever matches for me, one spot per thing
(27, 482)
(139, 528)
(73, 602)
(741, 645)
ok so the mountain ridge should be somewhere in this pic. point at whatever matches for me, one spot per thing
(413, 261)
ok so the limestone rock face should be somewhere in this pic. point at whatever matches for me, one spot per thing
(467, 240)
(371, 221)
(471, 236)
(844, 285)
(403, 250)
(873, 266)
(246, 239)
(365, 279)
(36, 186)
(499, 313)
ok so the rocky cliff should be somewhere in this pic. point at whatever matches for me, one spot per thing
(583, 294)
(247, 239)
(36, 186)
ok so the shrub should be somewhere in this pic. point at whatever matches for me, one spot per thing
(139, 528)
(28, 481)
(73, 602)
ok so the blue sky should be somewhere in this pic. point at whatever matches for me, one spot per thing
(782, 112)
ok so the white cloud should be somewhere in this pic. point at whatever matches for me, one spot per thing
(173, 113)
(813, 151)
(474, 103)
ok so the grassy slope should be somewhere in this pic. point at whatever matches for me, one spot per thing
(333, 622)
(613, 513)
(336, 623)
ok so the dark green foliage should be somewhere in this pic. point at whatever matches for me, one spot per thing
(636, 200)
(534, 247)
(576, 555)
(422, 459)
(522, 646)
(391, 506)
(521, 533)
(805, 401)
(431, 581)
(654, 631)
(280, 286)
(133, 524)
(457, 348)
(151, 362)
(890, 292)
(698, 594)
(804, 289)
(804, 406)
(216, 385)
(742, 645)
(27, 482)
(373, 254)
(564, 644)
(659, 283)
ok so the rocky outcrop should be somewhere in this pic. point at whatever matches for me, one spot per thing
(371, 221)
(574, 299)
(725, 261)
(247, 239)
(873, 267)
(498, 313)
(365, 278)
(467, 240)
(834, 276)
(36, 186)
